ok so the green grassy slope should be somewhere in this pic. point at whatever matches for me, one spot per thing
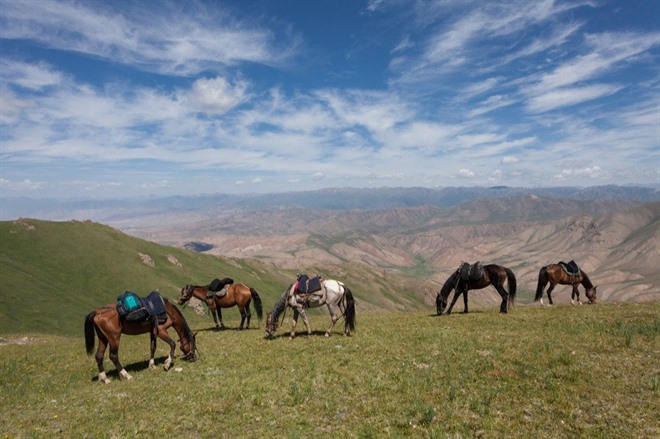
(53, 273)
(562, 372)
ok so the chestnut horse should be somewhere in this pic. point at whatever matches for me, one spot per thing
(239, 295)
(334, 294)
(109, 327)
(494, 275)
(554, 274)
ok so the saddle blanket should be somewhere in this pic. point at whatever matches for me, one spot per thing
(571, 268)
(219, 294)
(305, 285)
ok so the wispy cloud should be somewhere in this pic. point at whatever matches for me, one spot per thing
(469, 91)
(140, 35)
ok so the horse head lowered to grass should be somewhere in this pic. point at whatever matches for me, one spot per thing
(474, 277)
(334, 294)
(565, 274)
(109, 326)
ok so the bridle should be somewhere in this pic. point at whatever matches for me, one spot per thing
(192, 353)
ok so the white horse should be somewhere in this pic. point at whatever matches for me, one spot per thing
(335, 295)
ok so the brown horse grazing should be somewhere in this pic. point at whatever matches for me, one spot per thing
(109, 328)
(494, 275)
(554, 274)
(239, 295)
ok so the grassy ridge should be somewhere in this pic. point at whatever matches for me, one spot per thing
(567, 371)
(53, 273)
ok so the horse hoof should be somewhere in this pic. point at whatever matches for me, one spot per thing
(125, 375)
(103, 379)
(327, 335)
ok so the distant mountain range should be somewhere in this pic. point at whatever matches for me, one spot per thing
(325, 199)
(397, 245)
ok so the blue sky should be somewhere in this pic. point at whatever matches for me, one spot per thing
(153, 98)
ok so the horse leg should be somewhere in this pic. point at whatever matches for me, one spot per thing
(305, 321)
(294, 322)
(465, 302)
(549, 293)
(505, 299)
(152, 363)
(457, 293)
(334, 316)
(162, 333)
(248, 314)
(243, 317)
(100, 353)
(114, 357)
(214, 311)
(575, 294)
(222, 325)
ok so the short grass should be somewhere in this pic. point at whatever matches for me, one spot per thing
(568, 371)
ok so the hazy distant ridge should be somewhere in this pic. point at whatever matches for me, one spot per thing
(324, 199)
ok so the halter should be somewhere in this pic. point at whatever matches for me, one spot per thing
(192, 351)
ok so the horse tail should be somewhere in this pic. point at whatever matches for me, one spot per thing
(543, 280)
(90, 338)
(258, 306)
(349, 315)
(513, 285)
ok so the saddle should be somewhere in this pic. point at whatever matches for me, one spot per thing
(305, 285)
(218, 288)
(217, 284)
(570, 268)
(304, 289)
(146, 310)
(472, 272)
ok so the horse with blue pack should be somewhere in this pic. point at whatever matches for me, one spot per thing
(132, 315)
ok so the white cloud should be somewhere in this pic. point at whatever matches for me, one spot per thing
(19, 186)
(566, 96)
(141, 35)
(216, 95)
(589, 172)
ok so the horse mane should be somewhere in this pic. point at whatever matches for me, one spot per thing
(586, 282)
(449, 285)
(187, 332)
(280, 305)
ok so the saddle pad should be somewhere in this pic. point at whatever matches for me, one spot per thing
(217, 284)
(219, 294)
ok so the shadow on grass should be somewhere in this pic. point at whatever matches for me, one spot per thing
(133, 367)
(214, 329)
(302, 334)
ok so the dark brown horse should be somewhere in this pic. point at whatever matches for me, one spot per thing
(554, 274)
(109, 327)
(239, 295)
(494, 275)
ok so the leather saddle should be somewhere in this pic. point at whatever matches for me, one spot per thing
(570, 268)
(471, 272)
